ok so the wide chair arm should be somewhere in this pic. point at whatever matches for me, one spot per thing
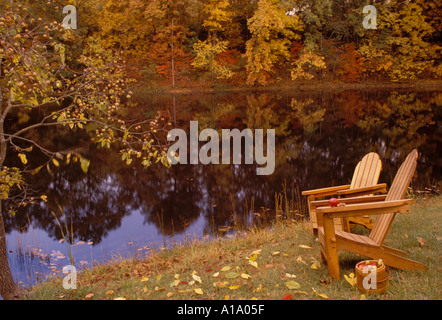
(371, 208)
(324, 192)
(352, 200)
(354, 192)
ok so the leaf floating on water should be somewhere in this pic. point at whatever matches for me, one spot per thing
(292, 285)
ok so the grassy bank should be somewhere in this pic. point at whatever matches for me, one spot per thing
(313, 85)
(283, 261)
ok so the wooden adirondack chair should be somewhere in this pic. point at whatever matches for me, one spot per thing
(332, 240)
(364, 182)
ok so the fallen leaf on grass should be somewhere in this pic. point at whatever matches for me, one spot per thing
(362, 297)
(257, 252)
(421, 241)
(216, 274)
(232, 275)
(322, 295)
(275, 253)
(253, 263)
(158, 277)
(232, 287)
(196, 278)
(287, 297)
(304, 246)
(290, 276)
(245, 276)
(144, 279)
(292, 285)
(120, 298)
(169, 294)
(220, 284)
(351, 279)
(225, 268)
(110, 292)
(198, 291)
(89, 296)
(259, 289)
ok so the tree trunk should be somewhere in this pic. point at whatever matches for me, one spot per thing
(8, 289)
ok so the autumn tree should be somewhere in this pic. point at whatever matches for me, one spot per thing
(47, 82)
(272, 31)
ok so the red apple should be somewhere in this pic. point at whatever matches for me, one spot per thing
(333, 202)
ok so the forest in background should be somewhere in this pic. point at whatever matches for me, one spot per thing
(206, 43)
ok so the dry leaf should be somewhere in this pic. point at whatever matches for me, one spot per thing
(89, 296)
(120, 298)
(290, 276)
(110, 292)
(198, 291)
(245, 276)
(232, 287)
(196, 278)
(232, 275)
(144, 279)
(216, 274)
(292, 285)
(169, 294)
(275, 253)
(287, 297)
(322, 295)
(253, 263)
(304, 246)
(350, 279)
(225, 268)
(421, 241)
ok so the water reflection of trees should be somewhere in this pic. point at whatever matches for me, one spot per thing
(320, 138)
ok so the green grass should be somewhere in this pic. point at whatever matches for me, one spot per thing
(286, 248)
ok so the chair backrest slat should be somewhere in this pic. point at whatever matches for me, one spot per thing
(397, 191)
(367, 171)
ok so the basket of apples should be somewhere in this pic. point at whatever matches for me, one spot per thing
(376, 270)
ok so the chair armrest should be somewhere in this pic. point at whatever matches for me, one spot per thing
(376, 198)
(323, 192)
(378, 188)
(371, 208)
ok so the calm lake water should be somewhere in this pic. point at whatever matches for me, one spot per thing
(120, 211)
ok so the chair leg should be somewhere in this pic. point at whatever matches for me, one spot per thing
(330, 247)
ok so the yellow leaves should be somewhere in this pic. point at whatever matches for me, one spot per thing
(144, 279)
(220, 284)
(84, 163)
(223, 269)
(292, 285)
(232, 275)
(322, 295)
(198, 291)
(253, 263)
(23, 158)
(55, 162)
(158, 277)
(245, 276)
(216, 274)
(44, 198)
(196, 278)
(304, 246)
(234, 287)
(351, 279)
